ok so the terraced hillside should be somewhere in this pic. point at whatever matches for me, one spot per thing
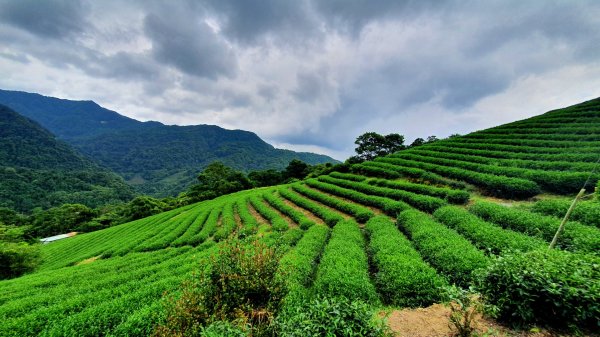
(390, 232)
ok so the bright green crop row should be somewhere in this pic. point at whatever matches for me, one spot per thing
(524, 134)
(163, 240)
(528, 142)
(423, 202)
(193, 229)
(451, 195)
(552, 181)
(516, 148)
(288, 210)
(403, 278)
(102, 297)
(278, 223)
(361, 213)
(517, 163)
(506, 187)
(249, 223)
(379, 169)
(228, 224)
(553, 129)
(485, 235)
(329, 217)
(389, 206)
(510, 154)
(344, 267)
(586, 212)
(209, 228)
(450, 253)
(576, 237)
(297, 265)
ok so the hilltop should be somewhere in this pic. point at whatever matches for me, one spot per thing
(390, 233)
(37, 170)
(154, 158)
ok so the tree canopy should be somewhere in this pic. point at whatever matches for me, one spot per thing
(372, 145)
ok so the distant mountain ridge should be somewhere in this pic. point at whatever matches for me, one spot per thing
(157, 159)
(37, 170)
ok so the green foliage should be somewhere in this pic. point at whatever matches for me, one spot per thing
(360, 213)
(278, 223)
(237, 285)
(389, 206)
(47, 172)
(18, 258)
(218, 179)
(485, 235)
(402, 278)
(576, 237)
(498, 185)
(549, 287)
(464, 307)
(59, 220)
(324, 316)
(389, 171)
(296, 169)
(288, 210)
(371, 145)
(328, 216)
(297, 266)
(264, 178)
(422, 202)
(344, 268)
(450, 253)
(451, 195)
(586, 212)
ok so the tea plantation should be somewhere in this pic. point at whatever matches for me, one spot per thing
(391, 232)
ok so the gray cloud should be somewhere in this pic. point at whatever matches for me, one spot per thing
(190, 45)
(46, 18)
(307, 73)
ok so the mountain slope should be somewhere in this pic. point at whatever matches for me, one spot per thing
(154, 158)
(420, 232)
(37, 170)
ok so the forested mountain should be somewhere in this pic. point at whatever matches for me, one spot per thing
(156, 159)
(36, 170)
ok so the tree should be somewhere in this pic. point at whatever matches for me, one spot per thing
(372, 144)
(296, 169)
(265, 178)
(417, 142)
(16, 256)
(432, 139)
(144, 206)
(60, 220)
(218, 179)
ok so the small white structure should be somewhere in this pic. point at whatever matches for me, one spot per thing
(57, 237)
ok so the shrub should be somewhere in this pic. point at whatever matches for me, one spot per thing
(402, 278)
(238, 285)
(483, 234)
(324, 316)
(423, 202)
(328, 216)
(288, 210)
(344, 268)
(445, 249)
(451, 195)
(389, 206)
(549, 287)
(586, 212)
(278, 223)
(360, 213)
(576, 236)
(18, 258)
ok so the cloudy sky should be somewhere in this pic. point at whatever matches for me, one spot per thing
(308, 74)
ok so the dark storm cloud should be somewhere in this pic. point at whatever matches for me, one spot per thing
(190, 45)
(46, 18)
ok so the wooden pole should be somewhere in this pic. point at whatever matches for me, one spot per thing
(561, 228)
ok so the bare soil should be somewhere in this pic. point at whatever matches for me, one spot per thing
(377, 211)
(88, 261)
(433, 321)
(259, 218)
(287, 219)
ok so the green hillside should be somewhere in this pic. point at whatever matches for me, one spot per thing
(156, 159)
(390, 232)
(36, 170)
